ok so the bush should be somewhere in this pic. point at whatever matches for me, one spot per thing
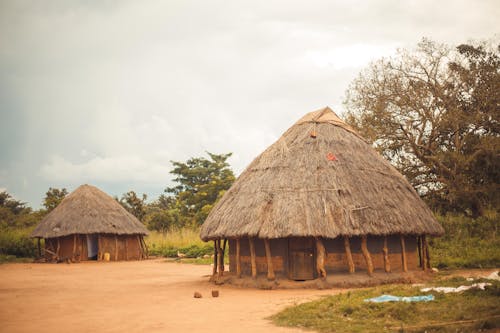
(467, 242)
(17, 242)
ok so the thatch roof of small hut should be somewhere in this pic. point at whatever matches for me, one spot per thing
(88, 210)
(333, 185)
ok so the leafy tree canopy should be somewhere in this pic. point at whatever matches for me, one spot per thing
(53, 197)
(200, 183)
(434, 113)
(134, 205)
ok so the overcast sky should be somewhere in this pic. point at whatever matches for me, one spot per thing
(109, 92)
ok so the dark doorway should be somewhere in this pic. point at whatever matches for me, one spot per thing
(301, 258)
(92, 247)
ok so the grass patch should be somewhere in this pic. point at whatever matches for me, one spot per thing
(467, 242)
(195, 261)
(349, 313)
(186, 241)
(7, 258)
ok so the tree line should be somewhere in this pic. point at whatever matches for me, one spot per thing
(199, 182)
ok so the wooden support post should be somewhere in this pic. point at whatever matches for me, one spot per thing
(145, 246)
(366, 254)
(99, 248)
(220, 259)
(426, 257)
(320, 258)
(126, 247)
(238, 259)
(419, 249)
(348, 254)
(80, 248)
(403, 254)
(223, 255)
(74, 247)
(270, 268)
(216, 262)
(58, 247)
(39, 247)
(385, 251)
(252, 258)
(116, 248)
(140, 246)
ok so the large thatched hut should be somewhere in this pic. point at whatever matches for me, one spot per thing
(320, 200)
(90, 225)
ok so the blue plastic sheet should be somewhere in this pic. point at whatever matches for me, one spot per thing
(391, 298)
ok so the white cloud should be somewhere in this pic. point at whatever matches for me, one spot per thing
(125, 169)
(350, 56)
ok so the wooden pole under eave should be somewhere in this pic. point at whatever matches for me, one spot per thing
(348, 253)
(39, 247)
(220, 259)
(140, 246)
(366, 254)
(145, 246)
(214, 269)
(403, 254)
(270, 268)
(223, 255)
(74, 247)
(116, 248)
(385, 251)
(320, 258)
(238, 258)
(58, 247)
(252, 258)
(126, 248)
(426, 258)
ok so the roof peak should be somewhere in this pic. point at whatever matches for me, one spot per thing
(323, 115)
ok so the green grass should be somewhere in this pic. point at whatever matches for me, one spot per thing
(186, 241)
(467, 242)
(348, 312)
(7, 258)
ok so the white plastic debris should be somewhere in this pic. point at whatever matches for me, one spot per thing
(493, 276)
(447, 290)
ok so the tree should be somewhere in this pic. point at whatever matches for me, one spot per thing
(134, 205)
(53, 198)
(434, 114)
(12, 205)
(201, 182)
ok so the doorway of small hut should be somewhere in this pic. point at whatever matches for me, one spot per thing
(92, 247)
(301, 259)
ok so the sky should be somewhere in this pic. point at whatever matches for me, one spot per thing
(108, 93)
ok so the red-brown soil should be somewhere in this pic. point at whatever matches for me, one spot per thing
(140, 296)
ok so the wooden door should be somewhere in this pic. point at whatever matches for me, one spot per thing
(301, 256)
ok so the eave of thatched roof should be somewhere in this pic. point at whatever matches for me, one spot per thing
(292, 189)
(88, 210)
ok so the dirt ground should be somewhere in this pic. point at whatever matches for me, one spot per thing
(140, 296)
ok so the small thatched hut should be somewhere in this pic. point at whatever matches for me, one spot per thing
(320, 200)
(88, 224)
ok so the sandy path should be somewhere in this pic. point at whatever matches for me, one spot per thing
(141, 296)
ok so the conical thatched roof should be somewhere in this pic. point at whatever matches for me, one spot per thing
(88, 210)
(334, 184)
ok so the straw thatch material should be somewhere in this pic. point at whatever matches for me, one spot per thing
(88, 210)
(292, 189)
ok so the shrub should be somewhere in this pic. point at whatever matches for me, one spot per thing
(17, 242)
